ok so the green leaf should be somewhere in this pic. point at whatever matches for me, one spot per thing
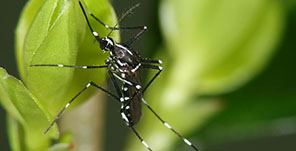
(25, 21)
(28, 111)
(59, 35)
(52, 39)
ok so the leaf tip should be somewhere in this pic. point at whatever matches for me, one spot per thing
(3, 73)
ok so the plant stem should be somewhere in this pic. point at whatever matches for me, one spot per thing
(86, 123)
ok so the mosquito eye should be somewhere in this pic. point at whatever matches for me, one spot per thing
(106, 44)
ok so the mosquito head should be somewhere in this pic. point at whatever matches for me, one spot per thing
(106, 44)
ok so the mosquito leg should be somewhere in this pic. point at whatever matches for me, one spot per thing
(141, 139)
(113, 28)
(137, 36)
(151, 61)
(134, 38)
(69, 103)
(186, 141)
(115, 84)
(159, 68)
(68, 66)
(123, 16)
(95, 34)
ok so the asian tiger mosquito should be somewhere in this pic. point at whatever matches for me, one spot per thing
(124, 64)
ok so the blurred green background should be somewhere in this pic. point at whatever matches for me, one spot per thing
(259, 114)
(10, 11)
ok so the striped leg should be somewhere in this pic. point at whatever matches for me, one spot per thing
(141, 139)
(120, 19)
(186, 141)
(148, 66)
(137, 36)
(68, 66)
(96, 35)
(134, 38)
(151, 61)
(114, 28)
(115, 84)
(149, 107)
(69, 103)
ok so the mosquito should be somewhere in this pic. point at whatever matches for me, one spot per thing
(124, 64)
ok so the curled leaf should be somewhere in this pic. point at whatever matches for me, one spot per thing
(29, 112)
(58, 34)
